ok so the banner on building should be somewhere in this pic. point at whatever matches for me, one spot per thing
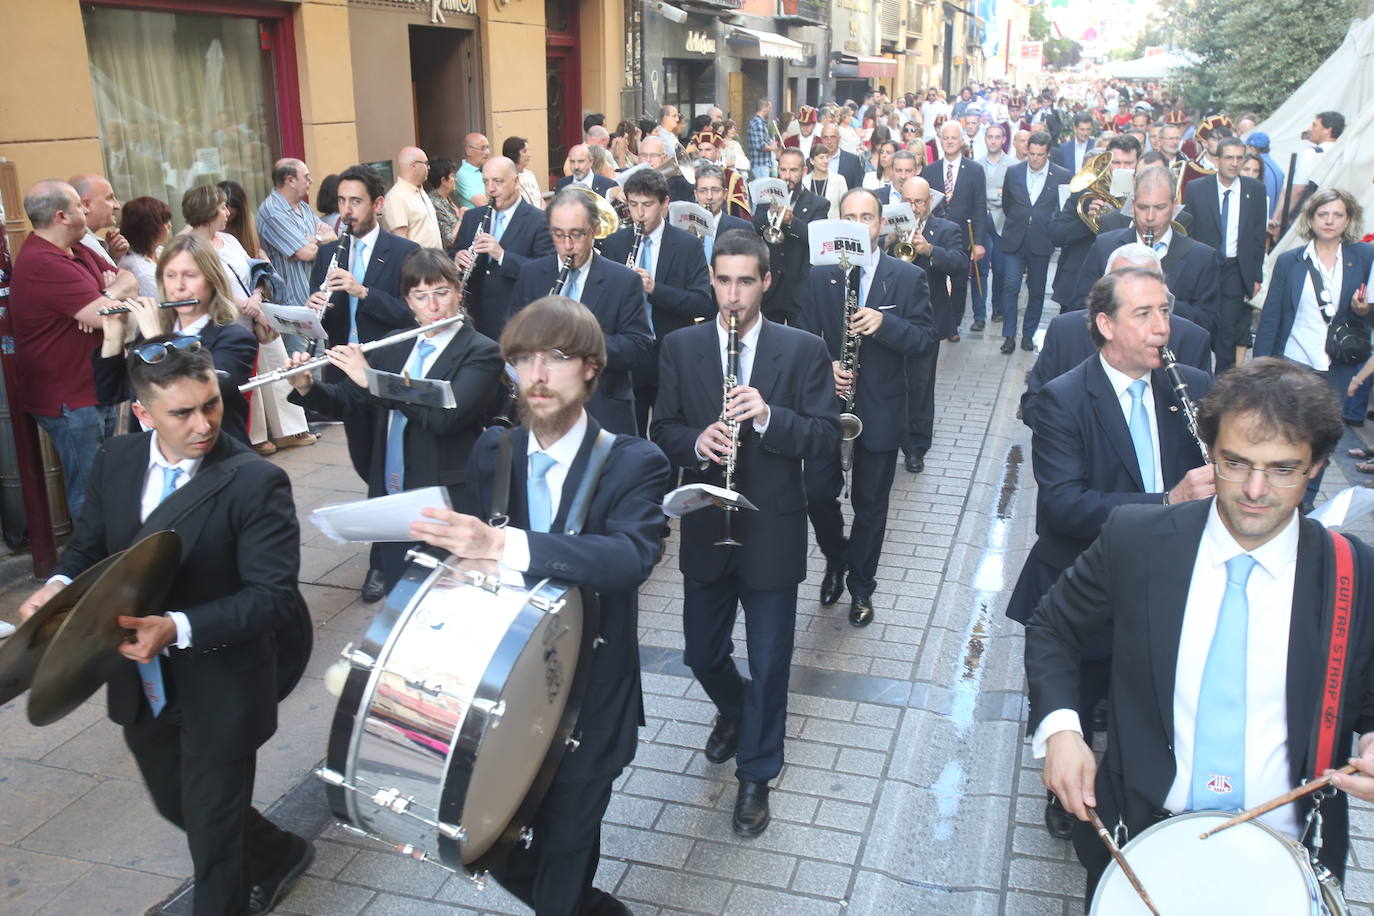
(1032, 55)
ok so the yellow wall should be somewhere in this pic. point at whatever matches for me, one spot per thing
(603, 57)
(325, 71)
(513, 77)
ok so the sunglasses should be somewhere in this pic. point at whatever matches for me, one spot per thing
(156, 352)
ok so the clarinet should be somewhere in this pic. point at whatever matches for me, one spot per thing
(851, 427)
(727, 384)
(483, 228)
(633, 257)
(341, 254)
(1184, 399)
(557, 289)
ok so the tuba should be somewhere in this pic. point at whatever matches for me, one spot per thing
(1095, 180)
(607, 221)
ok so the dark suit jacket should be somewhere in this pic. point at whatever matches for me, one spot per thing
(885, 194)
(620, 543)
(851, 167)
(791, 370)
(437, 441)
(948, 259)
(615, 295)
(682, 288)
(382, 310)
(680, 188)
(728, 222)
(1028, 222)
(899, 291)
(600, 183)
(1200, 198)
(790, 261)
(1068, 342)
(1190, 268)
(970, 201)
(1285, 292)
(1073, 238)
(1135, 579)
(236, 585)
(526, 236)
(1064, 154)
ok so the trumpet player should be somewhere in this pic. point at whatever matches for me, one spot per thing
(872, 319)
(784, 404)
(1069, 231)
(791, 257)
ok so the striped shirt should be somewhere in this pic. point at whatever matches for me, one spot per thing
(283, 230)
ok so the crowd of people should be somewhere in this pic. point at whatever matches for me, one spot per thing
(721, 358)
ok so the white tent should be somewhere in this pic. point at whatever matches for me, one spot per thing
(1154, 67)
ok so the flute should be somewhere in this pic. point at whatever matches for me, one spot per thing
(124, 309)
(275, 375)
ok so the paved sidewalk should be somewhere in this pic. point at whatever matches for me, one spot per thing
(907, 787)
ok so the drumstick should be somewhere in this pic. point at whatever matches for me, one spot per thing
(1290, 796)
(1126, 869)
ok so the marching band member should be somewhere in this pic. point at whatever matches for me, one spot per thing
(711, 194)
(709, 144)
(963, 187)
(791, 257)
(1072, 235)
(580, 162)
(891, 324)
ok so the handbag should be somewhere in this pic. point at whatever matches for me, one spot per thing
(1347, 341)
(262, 331)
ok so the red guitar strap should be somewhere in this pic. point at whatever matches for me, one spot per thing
(1338, 638)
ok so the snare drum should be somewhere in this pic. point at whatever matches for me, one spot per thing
(1250, 868)
(456, 711)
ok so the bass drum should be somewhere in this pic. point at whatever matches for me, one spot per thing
(456, 711)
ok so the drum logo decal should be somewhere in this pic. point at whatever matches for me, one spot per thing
(1219, 783)
(553, 665)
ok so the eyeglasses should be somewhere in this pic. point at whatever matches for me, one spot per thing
(577, 235)
(156, 352)
(438, 294)
(1240, 471)
(551, 359)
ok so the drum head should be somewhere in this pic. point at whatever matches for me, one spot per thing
(1250, 868)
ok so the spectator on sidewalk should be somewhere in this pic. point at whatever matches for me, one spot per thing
(471, 190)
(290, 232)
(408, 211)
(102, 212)
(146, 224)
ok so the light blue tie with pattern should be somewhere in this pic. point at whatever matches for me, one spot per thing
(151, 672)
(396, 436)
(537, 492)
(358, 269)
(1219, 742)
(646, 261)
(710, 241)
(1140, 435)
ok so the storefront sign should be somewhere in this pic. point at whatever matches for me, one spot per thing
(701, 43)
(437, 8)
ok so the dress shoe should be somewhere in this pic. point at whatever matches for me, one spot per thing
(1008, 344)
(861, 611)
(723, 741)
(832, 583)
(1058, 821)
(268, 893)
(374, 586)
(996, 316)
(953, 338)
(915, 463)
(978, 325)
(1028, 344)
(751, 808)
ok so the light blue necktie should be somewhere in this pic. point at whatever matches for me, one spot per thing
(710, 241)
(573, 288)
(1159, 246)
(151, 672)
(499, 228)
(1219, 741)
(537, 492)
(396, 436)
(358, 269)
(646, 261)
(1140, 435)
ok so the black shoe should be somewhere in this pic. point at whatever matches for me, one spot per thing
(953, 338)
(978, 325)
(996, 316)
(751, 808)
(1008, 344)
(915, 463)
(374, 586)
(861, 611)
(1058, 821)
(1100, 716)
(832, 583)
(1028, 344)
(267, 894)
(723, 741)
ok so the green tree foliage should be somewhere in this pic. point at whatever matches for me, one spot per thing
(1060, 53)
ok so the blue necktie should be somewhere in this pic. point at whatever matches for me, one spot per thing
(396, 436)
(537, 492)
(1219, 741)
(573, 288)
(1159, 246)
(499, 228)
(710, 241)
(151, 672)
(1140, 435)
(646, 256)
(358, 269)
(1225, 217)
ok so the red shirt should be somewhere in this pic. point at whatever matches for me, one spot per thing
(51, 351)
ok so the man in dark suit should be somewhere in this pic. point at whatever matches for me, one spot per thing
(580, 161)
(672, 267)
(893, 324)
(850, 166)
(203, 697)
(965, 204)
(903, 168)
(942, 252)
(791, 258)
(785, 407)
(613, 292)
(557, 349)
(1229, 214)
(1073, 152)
(1189, 267)
(1030, 197)
(512, 232)
(1072, 236)
(1106, 435)
(1187, 593)
(711, 193)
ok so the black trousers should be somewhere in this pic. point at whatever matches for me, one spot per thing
(870, 483)
(211, 799)
(959, 286)
(758, 704)
(554, 875)
(645, 396)
(1234, 315)
(920, 400)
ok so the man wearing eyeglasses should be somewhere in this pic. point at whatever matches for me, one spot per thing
(613, 292)
(1221, 611)
(1107, 433)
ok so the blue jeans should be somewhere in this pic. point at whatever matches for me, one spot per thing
(1036, 267)
(76, 435)
(991, 264)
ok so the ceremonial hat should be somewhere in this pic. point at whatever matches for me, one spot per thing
(807, 115)
(1212, 123)
(707, 135)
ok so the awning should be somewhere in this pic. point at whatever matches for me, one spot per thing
(876, 67)
(771, 44)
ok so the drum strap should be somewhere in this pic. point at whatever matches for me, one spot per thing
(582, 499)
(1342, 586)
(500, 487)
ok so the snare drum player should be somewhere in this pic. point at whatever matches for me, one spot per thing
(1219, 610)
(558, 350)
(203, 697)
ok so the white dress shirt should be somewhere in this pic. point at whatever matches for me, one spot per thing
(748, 344)
(1035, 182)
(1306, 342)
(1120, 383)
(1232, 215)
(515, 556)
(152, 495)
(505, 216)
(1080, 152)
(1166, 239)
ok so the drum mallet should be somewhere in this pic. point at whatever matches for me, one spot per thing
(1289, 796)
(1126, 869)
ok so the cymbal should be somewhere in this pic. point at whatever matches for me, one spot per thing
(85, 652)
(21, 653)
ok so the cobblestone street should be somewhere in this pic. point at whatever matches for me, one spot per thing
(907, 788)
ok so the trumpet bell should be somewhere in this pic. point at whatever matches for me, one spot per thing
(772, 235)
(1095, 168)
(851, 427)
(607, 222)
(904, 251)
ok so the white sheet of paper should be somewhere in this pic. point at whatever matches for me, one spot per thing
(764, 191)
(385, 518)
(691, 217)
(621, 176)
(1345, 508)
(832, 237)
(1123, 182)
(898, 217)
(694, 496)
(295, 319)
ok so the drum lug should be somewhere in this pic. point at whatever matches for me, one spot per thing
(358, 658)
(393, 800)
(540, 603)
(526, 837)
(479, 880)
(598, 642)
(332, 777)
(573, 743)
(455, 832)
(483, 581)
(493, 711)
(423, 558)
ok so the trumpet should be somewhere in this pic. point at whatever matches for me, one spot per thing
(341, 254)
(905, 250)
(772, 233)
(1184, 398)
(124, 309)
(483, 228)
(558, 283)
(309, 365)
(728, 384)
(850, 425)
(633, 258)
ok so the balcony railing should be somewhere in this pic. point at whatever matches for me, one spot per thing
(810, 11)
